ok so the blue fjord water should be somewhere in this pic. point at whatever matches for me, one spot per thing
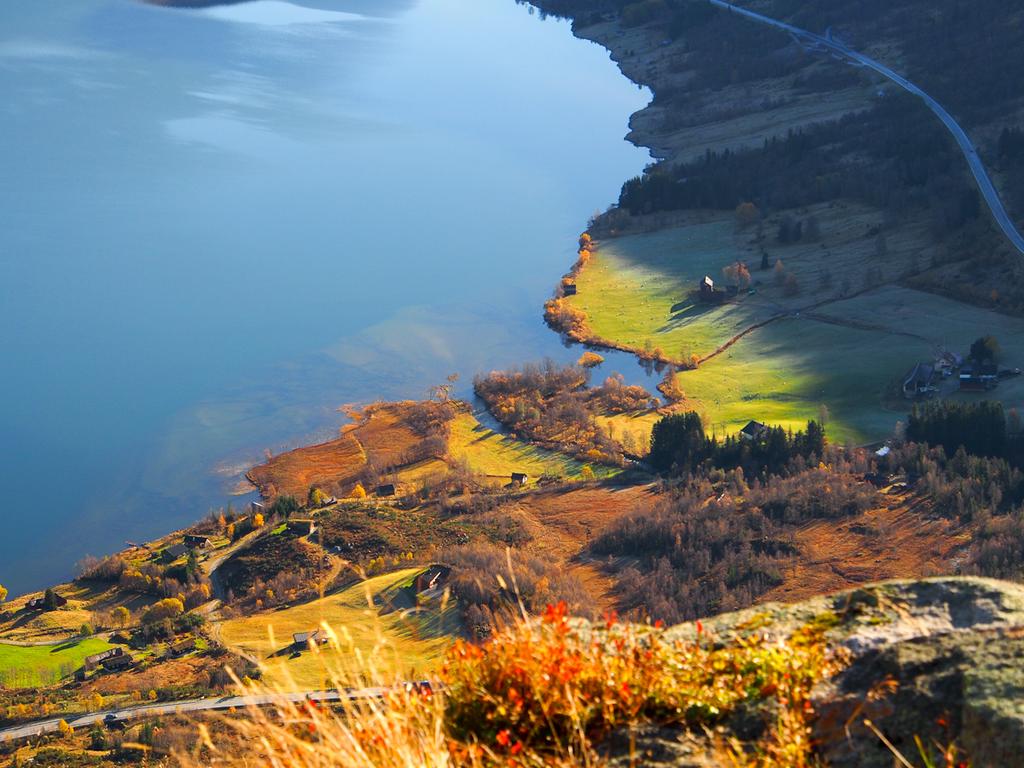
(218, 224)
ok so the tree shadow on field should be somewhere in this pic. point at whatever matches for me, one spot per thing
(688, 309)
(67, 645)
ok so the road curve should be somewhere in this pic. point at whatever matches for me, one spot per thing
(41, 727)
(985, 185)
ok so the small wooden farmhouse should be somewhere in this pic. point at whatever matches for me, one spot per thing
(754, 430)
(118, 662)
(173, 552)
(302, 640)
(91, 662)
(180, 648)
(978, 378)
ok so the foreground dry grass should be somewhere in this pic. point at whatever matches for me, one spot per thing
(549, 692)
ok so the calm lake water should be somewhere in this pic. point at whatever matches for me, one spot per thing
(219, 224)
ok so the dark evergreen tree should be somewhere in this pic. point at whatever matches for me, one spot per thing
(678, 443)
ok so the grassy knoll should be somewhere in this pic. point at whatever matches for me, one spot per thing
(42, 665)
(496, 455)
(783, 373)
(405, 643)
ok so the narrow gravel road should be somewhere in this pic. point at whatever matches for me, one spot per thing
(223, 703)
(970, 152)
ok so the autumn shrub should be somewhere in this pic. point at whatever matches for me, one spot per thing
(547, 692)
(484, 575)
(563, 317)
(168, 608)
(552, 405)
(107, 569)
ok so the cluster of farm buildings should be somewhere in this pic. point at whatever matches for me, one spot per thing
(924, 379)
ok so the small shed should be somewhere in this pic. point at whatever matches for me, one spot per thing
(172, 553)
(39, 603)
(182, 647)
(388, 489)
(519, 479)
(118, 662)
(193, 541)
(302, 640)
(432, 578)
(569, 289)
(754, 430)
(709, 294)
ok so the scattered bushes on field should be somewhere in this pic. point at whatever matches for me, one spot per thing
(552, 405)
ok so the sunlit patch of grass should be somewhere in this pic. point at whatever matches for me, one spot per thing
(26, 666)
(368, 616)
(637, 291)
(497, 456)
(638, 426)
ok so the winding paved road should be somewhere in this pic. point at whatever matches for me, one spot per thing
(985, 185)
(40, 727)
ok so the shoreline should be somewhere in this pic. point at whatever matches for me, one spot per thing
(681, 125)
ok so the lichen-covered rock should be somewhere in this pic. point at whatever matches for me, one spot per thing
(938, 660)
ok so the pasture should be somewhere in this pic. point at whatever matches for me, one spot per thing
(843, 338)
(31, 666)
(376, 624)
(849, 356)
(496, 455)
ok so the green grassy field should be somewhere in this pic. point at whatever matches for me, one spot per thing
(637, 291)
(497, 455)
(398, 643)
(783, 373)
(41, 665)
